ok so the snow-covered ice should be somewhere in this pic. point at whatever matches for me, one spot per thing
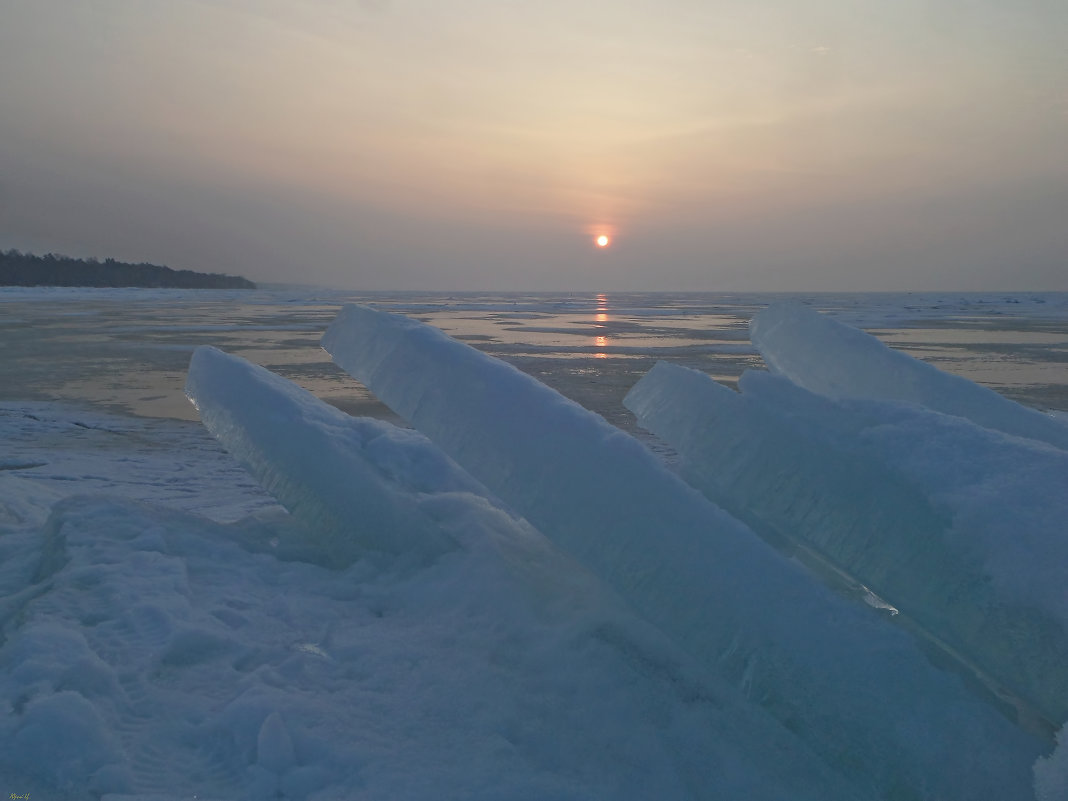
(1001, 595)
(336, 473)
(1051, 773)
(800, 652)
(168, 631)
(834, 359)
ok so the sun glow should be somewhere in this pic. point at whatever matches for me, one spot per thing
(601, 241)
(600, 342)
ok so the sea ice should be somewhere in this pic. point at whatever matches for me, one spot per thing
(834, 359)
(890, 525)
(334, 472)
(153, 654)
(853, 687)
(56, 450)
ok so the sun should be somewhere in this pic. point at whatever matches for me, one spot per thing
(602, 234)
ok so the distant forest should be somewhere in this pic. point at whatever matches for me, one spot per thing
(25, 269)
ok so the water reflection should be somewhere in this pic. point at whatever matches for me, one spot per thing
(131, 348)
(601, 341)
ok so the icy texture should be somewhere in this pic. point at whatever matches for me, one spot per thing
(790, 481)
(1051, 773)
(833, 359)
(994, 583)
(55, 450)
(856, 689)
(333, 471)
(152, 654)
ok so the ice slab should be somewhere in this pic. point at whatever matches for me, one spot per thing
(338, 474)
(993, 582)
(869, 519)
(833, 359)
(857, 690)
(854, 511)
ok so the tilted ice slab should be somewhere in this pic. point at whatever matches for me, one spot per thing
(334, 472)
(854, 688)
(877, 521)
(1002, 596)
(833, 359)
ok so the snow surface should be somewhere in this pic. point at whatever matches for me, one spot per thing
(51, 451)
(1051, 773)
(857, 690)
(833, 359)
(948, 522)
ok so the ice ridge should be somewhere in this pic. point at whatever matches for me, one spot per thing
(328, 469)
(149, 654)
(803, 654)
(873, 519)
(834, 359)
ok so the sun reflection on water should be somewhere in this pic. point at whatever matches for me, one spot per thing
(601, 341)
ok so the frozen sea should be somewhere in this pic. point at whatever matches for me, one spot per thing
(170, 632)
(128, 350)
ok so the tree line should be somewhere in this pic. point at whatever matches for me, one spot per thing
(25, 269)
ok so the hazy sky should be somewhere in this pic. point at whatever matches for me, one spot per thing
(470, 144)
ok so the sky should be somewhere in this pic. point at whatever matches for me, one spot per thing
(723, 145)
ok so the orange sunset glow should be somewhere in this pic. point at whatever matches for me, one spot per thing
(734, 145)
